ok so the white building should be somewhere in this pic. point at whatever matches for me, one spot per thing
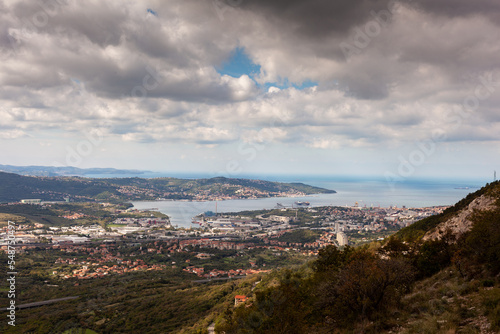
(31, 201)
(282, 219)
(342, 239)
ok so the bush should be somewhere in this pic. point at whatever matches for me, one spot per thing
(488, 283)
(491, 302)
(365, 288)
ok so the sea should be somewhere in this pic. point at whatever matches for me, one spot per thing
(351, 191)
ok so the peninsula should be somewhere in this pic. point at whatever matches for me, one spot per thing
(117, 190)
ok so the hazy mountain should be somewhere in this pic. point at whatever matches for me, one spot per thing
(65, 171)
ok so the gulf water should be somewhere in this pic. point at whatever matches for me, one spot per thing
(366, 191)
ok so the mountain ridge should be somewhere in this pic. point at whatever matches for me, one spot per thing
(34, 170)
(462, 222)
(14, 187)
(486, 198)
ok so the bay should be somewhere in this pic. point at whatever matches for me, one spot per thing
(365, 191)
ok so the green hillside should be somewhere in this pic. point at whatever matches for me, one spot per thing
(404, 285)
(401, 285)
(15, 187)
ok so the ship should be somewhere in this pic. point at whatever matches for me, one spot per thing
(279, 206)
(302, 204)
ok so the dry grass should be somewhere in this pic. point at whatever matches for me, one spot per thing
(447, 304)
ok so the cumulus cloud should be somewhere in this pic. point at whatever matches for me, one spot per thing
(116, 50)
(69, 67)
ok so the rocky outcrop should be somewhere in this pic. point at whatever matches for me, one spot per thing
(461, 222)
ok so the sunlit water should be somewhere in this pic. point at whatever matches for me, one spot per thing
(366, 192)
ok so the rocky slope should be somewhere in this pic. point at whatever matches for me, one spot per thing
(457, 218)
(461, 222)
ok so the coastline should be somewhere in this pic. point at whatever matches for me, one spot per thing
(229, 199)
(366, 193)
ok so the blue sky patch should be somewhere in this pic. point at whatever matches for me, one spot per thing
(240, 64)
(150, 11)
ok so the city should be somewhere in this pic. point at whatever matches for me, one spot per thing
(101, 247)
(250, 166)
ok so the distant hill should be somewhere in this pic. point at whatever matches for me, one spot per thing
(15, 187)
(65, 171)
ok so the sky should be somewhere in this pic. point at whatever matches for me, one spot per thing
(395, 89)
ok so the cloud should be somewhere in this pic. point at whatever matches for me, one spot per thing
(456, 8)
(316, 18)
(73, 67)
(116, 50)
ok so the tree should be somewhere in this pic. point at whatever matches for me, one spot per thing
(331, 258)
(278, 309)
(365, 287)
(394, 248)
(433, 256)
(481, 245)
